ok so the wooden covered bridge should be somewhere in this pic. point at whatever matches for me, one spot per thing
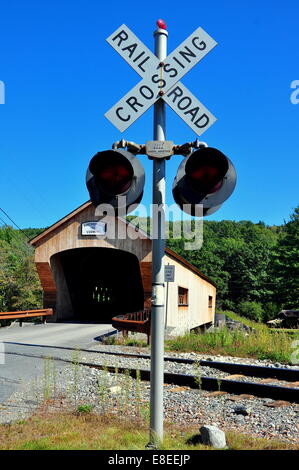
(91, 276)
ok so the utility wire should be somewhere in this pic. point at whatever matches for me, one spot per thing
(3, 222)
(14, 223)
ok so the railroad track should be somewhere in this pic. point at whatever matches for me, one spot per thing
(237, 387)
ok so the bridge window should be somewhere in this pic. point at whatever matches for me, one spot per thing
(183, 296)
(210, 301)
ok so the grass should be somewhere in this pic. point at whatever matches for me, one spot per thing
(84, 408)
(124, 341)
(245, 321)
(88, 431)
(260, 344)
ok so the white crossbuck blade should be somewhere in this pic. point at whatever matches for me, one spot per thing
(157, 78)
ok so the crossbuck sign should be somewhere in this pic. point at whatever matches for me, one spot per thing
(161, 80)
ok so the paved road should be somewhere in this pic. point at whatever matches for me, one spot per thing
(19, 345)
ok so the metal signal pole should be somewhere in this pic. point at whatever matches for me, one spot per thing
(158, 249)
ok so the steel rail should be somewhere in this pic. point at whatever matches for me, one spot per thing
(279, 373)
(235, 387)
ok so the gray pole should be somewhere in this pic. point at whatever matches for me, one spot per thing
(158, 248)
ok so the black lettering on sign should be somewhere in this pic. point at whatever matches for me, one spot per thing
(185, 106)
(121, 36)
(193, 112)
(201, 46)
(120, 117)
(130, 48)
(199, 119)
(132, 101)
(187, 54)
(146, 92)
(177, 92)
(177, 60)
(138, 57)
(157, 79)
(143, 62)
(169, 70)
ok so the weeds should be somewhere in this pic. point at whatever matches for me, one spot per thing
(84, 409)
(47, 378)
(145, 412)
(137, 393)
(198, 379)
(127, 388)
(124, 341)
(117, 403)
(80, 431)
(103, 390)
(219, 382)
(75, 364)
(260, 344)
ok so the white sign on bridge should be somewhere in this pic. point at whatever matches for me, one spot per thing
(161, 78)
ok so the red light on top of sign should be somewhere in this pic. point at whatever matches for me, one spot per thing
(161, 24)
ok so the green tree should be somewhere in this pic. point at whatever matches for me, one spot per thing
(19, 283)
(286, 264)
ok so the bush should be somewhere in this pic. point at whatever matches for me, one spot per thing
(228, 305)
(271, 310)
(251, 310)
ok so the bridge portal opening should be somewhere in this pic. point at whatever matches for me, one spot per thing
(102, 282)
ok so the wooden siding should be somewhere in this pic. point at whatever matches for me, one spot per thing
(197, 313)
(68, 235)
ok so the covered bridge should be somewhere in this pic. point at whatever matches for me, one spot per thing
(87, 275)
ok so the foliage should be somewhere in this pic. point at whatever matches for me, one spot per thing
(263, 344)
(249, 263)
(286, 264)
(251, 310)
(19, 283)
(255, 267)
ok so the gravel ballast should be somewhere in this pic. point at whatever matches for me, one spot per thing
(72, 385)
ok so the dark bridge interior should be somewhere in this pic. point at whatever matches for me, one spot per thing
(102, 282)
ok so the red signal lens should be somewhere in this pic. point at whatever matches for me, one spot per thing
(113, 172)
(206, 176)
(116, 179)
(206, 169)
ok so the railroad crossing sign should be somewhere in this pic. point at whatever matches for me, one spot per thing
(161, 79)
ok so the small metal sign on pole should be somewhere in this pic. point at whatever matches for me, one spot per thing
(159, 85)
(169, 273)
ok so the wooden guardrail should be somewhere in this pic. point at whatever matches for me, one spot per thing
(20, 314)
(135, 321)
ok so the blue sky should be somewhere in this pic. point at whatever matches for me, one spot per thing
(61, 76)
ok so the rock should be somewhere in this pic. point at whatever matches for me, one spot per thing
(278, 404)
(246, 396)
(234, 376)
(178, 389)
(212, 436)
(115, 390)
(216, 394)
(242, 410)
